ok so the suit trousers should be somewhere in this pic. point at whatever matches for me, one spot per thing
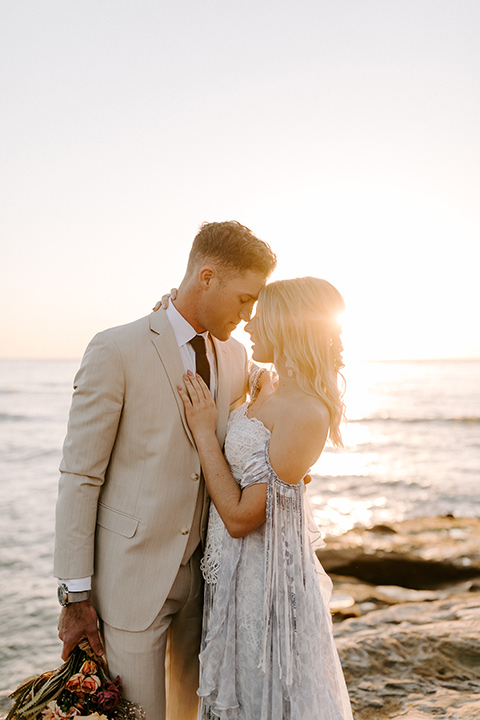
(159, 665)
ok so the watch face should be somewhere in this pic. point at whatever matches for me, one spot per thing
(63, 595)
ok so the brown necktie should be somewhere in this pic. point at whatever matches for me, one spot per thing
(202, 364)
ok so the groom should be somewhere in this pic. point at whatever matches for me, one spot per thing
(132, 506)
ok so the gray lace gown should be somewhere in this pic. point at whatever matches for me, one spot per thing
(267, 650)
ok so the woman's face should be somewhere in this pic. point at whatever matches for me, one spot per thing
(262, 349)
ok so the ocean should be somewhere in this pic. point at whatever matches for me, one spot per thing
(411, 448)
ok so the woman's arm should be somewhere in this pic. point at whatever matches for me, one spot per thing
(242, 511)
(296, 442)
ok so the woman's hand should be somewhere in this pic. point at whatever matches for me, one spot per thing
(200, 409)
(165, 298)
(269, 377)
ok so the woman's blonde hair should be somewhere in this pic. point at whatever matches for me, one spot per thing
(299, 317)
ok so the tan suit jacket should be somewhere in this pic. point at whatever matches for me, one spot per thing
(129, 473)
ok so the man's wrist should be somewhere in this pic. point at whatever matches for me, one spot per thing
(67, 597)
(76, 584)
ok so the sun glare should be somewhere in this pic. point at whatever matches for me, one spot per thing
(389, 251)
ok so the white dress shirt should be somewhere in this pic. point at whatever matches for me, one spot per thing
(184, 332)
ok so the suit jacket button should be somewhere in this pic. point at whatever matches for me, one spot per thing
(184, 531)
(194, 477)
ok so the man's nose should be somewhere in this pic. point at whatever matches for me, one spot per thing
(246, 312)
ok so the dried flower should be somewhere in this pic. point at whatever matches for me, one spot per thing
(79, 683)
(78, 690)
(89, 667)
(111, 696)
(91, 684)
(75, 683)
(53, 712)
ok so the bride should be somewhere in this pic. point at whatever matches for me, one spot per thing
(268, 651)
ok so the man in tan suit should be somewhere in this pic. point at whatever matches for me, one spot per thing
(132, 506)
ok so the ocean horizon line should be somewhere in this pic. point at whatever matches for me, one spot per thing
(355, 360)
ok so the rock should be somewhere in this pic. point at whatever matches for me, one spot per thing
(415, 660)
(353, 598)
(389, 565)
(411, 646)
(420, 554)
(382, 529)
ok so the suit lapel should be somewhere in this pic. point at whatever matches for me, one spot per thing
(223, 388)
(166, 346)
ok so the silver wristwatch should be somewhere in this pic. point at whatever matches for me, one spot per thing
(67, 598)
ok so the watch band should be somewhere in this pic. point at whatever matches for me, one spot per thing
(74, 597)
(67, 598)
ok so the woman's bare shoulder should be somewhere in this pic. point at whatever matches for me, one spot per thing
(299, 434)
(302, 409)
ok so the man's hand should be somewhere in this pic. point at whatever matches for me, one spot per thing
(77, 621)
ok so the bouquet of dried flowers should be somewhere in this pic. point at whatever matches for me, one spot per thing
(79, 689)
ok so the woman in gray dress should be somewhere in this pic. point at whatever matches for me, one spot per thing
(268, 651)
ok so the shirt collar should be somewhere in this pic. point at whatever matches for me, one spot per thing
(182, 329)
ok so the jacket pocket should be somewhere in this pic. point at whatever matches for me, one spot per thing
(116, 521)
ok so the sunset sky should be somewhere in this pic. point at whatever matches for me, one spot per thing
(345, 133)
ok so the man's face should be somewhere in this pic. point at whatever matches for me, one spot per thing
(226, 302)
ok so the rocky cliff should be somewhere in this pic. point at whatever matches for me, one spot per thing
(407, 618)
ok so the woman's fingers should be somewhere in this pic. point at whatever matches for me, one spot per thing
(189, 393)
(196, 392)
(200, 387)
(197, 389)
(200, 409)
(185, 397)
(165, 300)
(193, 387)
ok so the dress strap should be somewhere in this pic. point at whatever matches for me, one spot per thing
(284, 575)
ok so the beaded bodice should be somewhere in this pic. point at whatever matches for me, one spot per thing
(244, 437)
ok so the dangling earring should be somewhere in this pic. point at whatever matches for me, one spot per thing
(290, 372)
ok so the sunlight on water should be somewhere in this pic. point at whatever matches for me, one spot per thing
(333, 464)
(410, 446)
(354, 459)
(361, 379)
(340, 514)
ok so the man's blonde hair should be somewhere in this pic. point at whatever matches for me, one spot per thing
(233, 247)
(299, 317)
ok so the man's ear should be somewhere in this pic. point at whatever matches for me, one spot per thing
(206, 274)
